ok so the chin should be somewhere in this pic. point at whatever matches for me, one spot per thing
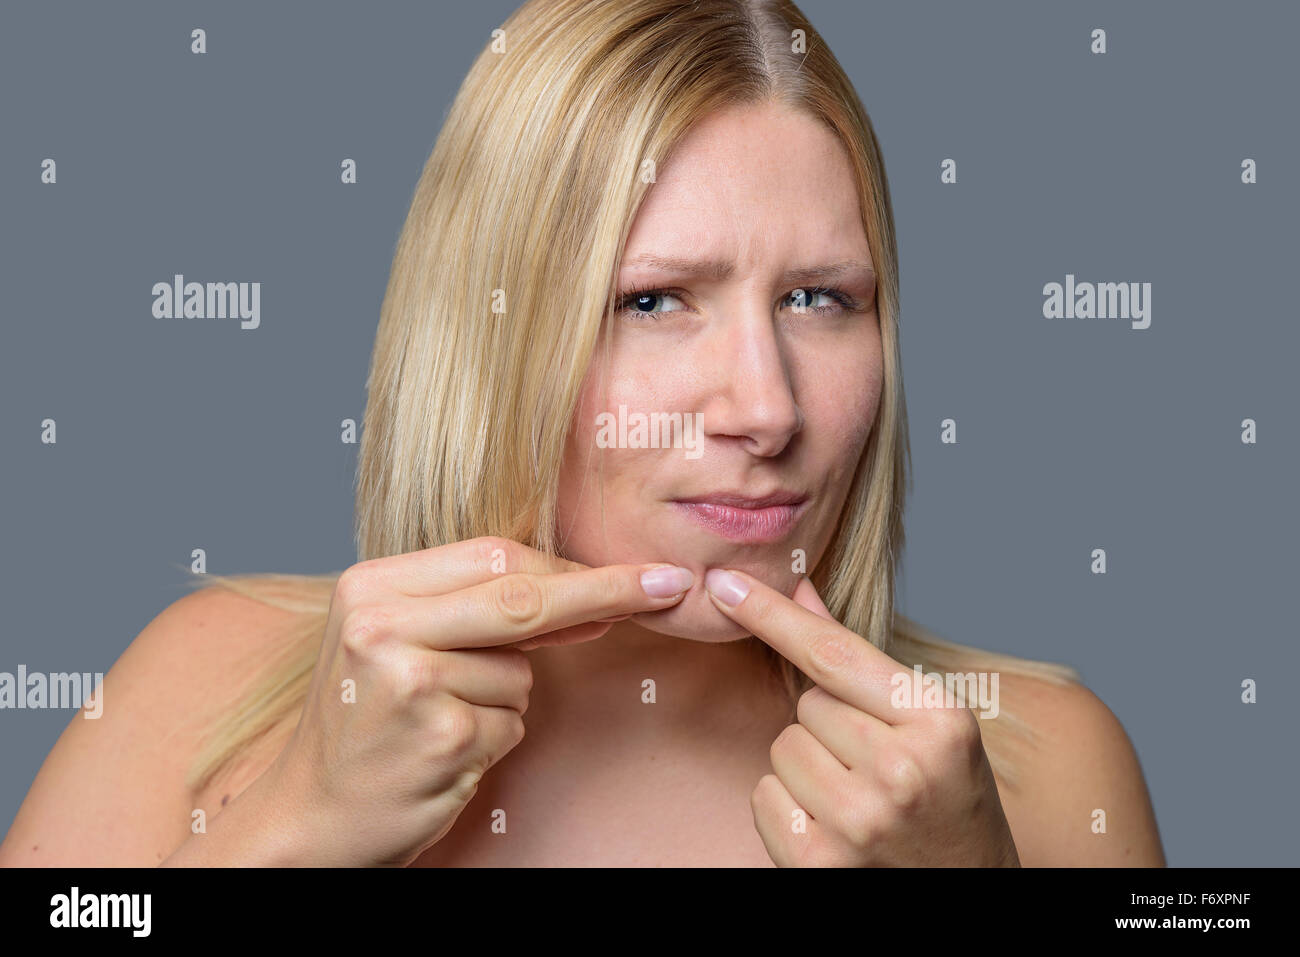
(697, 618)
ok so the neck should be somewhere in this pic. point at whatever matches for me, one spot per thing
(702, 691)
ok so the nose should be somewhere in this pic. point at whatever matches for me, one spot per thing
(753, 401)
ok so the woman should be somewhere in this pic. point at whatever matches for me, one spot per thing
(629, 502)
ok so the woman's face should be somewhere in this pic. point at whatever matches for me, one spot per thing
(724, 428)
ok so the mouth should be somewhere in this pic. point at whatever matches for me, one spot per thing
(745, 519)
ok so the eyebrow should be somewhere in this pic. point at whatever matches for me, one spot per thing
(720, 269)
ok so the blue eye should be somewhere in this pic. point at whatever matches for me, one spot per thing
(649, 302)
(807, 299)
(642, 301)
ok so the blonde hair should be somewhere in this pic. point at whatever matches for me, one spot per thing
(531, 188)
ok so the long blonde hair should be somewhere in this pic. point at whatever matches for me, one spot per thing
(503, 275)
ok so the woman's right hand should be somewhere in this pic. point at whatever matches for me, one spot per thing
(421, 683)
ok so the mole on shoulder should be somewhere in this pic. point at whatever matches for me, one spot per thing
(224, 799)
(33, 847)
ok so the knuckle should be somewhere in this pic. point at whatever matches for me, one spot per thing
(808, 701)
(436, 665)
(415, 676)
(455, 726)
(862, 728)
(489, 547)
(465, 786)
(829, 654)
(518, 599)
(957, 729)
(362, 628)
(764, 792)
(614, 588)
(903, 779)
(352, 585)
(526, 676)
(783, 741)
(519, 675)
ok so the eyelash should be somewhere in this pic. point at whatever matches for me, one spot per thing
(845, 301)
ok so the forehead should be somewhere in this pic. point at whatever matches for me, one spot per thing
(752, 181)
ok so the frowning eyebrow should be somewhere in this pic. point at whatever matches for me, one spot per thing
(717, 269)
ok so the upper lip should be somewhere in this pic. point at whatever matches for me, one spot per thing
(737, 500)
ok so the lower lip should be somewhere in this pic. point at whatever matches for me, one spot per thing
(770, 524)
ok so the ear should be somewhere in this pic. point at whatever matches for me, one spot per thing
(806, 595)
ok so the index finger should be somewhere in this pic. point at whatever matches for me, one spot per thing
(519, 606)
(838, 660)
(457, 565)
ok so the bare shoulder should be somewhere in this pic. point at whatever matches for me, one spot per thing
(112, 791)
(1082, 799)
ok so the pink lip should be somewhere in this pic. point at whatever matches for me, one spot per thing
(738, 518)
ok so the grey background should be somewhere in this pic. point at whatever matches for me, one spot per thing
(1073, 434)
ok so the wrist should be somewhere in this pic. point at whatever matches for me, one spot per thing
(256, 829)
(274, 829)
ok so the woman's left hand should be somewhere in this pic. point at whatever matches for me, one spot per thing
(881, 785)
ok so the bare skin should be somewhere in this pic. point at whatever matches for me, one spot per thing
(599, 775)
(575, 793)
(566, 799)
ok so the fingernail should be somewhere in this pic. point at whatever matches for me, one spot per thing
(725, 587)
(666, 581)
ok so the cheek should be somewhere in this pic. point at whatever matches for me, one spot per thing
(599, 488)
(841, 409)
(861, 413)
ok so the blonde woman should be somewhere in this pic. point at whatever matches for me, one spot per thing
(573, 639)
